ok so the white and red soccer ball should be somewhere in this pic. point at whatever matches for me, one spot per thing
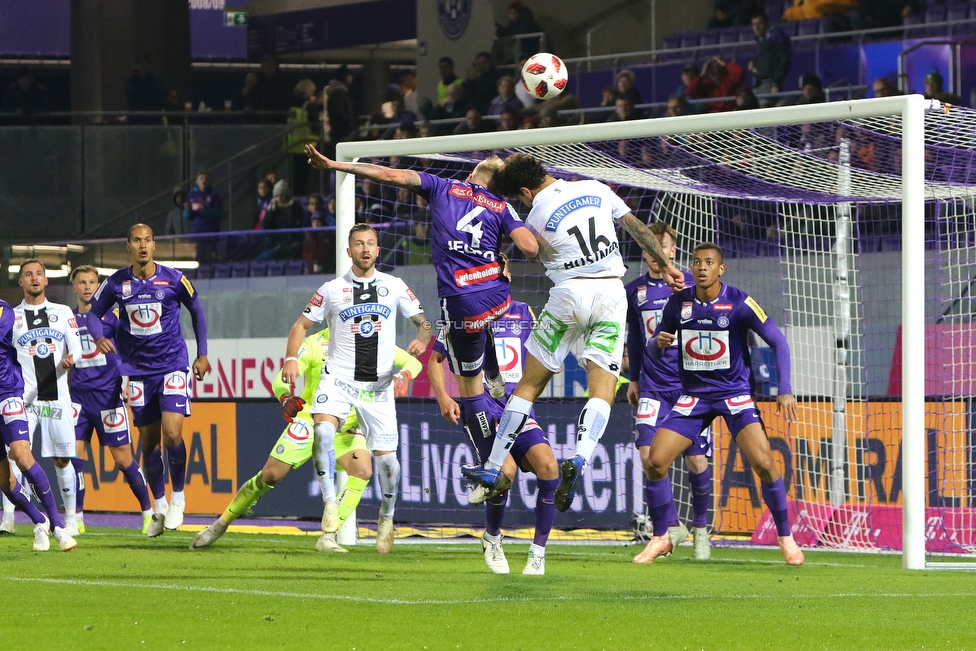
(544, 75)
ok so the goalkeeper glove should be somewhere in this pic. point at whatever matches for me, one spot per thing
(401, 381)
(290, 406)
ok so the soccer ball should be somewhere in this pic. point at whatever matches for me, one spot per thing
(544, 75)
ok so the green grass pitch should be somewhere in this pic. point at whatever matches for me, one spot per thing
(119, 590)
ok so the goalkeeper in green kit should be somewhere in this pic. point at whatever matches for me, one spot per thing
(297, 444)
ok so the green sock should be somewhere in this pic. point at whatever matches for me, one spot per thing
(246, 497)
(350, 496)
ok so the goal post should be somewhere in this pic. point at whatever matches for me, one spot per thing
(732, 141)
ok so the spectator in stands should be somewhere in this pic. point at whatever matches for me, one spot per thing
(773, 54)
(677, 105)
(481, 88)
(473, 123)
(205, 208)
(455, 104)
(427, 129)
(25, 97)
(933, 90)
(873, 14)
(302, 114)
(609, 97)
(396, 112)
(342, 114)
(509, 120)
(406, 129)
(284, 212)
(731, 12)
(506, 98)
(143, 89)
(408, 88)
(315, 247)
(688, 75)
(265, 188)
(719, 78)
(448, 78)
(626, 80)
(884, 87)
(625, 110)
(745, 99)
(271, 92)
(175, 224)
(245, 99)
(521, 20)
(811, 89)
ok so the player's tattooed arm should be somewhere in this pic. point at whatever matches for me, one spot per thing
(403, 178)
(640, 232)
(419, 345)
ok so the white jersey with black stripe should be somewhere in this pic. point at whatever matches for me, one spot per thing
(44, 335)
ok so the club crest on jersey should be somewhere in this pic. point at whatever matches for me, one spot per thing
(366, 309)
(18, 322)
(366, 328)
(53, 318)
(160, 294)
(126, 288)
(641, 293)
(685, 311)
(723, 321)
(382, 291)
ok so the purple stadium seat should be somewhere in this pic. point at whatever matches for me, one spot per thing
(956, 13)
(276, 268)
(671, 42)
(205, 271)
(239, 270)
(935, 15)
(729, 35)
(690, 39)
(222, 270)
(258, 269)
(788, 27)
(295, 268)
(746, 35)
(709, 38)
(807, 27)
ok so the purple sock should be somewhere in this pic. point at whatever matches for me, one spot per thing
(176, 457)
(701, 495)
(79, 466)
(660, 503)
(138, 485)
(545, 510)
(18, 499)
(152, 463)
(477, 420)
(42, 488)
(774, 495)
(494, 510)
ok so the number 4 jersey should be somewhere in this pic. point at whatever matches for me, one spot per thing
(577, 223)
(468, 224)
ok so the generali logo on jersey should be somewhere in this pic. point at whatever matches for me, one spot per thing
(477, 198)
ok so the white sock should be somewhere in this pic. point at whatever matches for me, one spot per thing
(69, 494)
(161, 505)
(592, 423)
(536, 550)
(177, 497)
(147, 514)
(509, 427)
(8, 508)
(492, 539)
(388, 469)
(323, 454)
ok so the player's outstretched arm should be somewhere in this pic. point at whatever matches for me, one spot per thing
(401, 178)
(640, 232)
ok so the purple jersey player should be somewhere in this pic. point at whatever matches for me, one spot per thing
(533, 454)
(15, 437)
(710, 323)
(96, 390)
(468, 224)
(655, 387)
(153, 356)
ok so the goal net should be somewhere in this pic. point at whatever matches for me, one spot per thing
(852, 223)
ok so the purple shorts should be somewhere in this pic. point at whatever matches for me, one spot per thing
(652, 410)
(691, 415)
(150, 395)
(13, 421)
(104, 412)
(468, 318)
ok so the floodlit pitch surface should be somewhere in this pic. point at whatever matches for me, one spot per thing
(119, 590)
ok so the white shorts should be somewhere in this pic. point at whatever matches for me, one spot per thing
(373, 402)
(591, 312)
(55, 420)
